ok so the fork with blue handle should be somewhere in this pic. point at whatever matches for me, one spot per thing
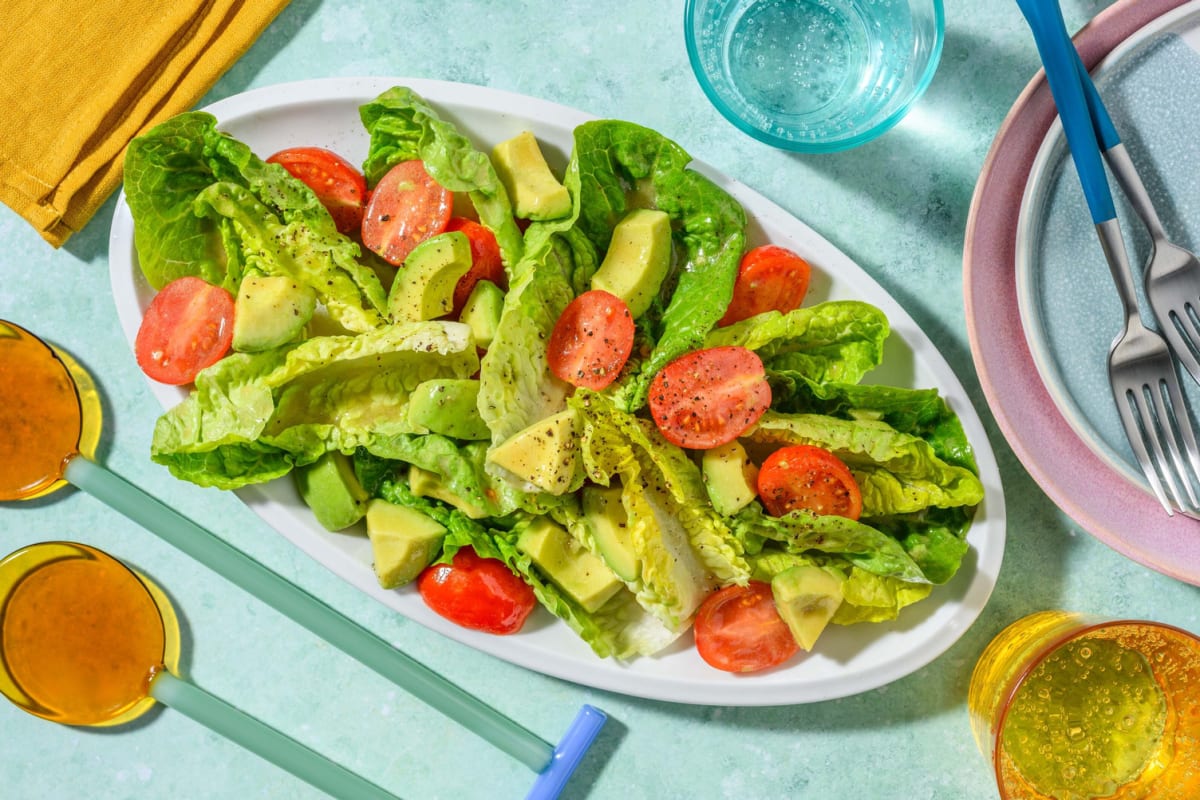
(1141, 367)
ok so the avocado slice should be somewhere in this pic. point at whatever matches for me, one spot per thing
(730, 477)
(270, 310)
(481, 312)
(606, 520)
(571, 566)
(330, 488)
(403, 542)
(448, 406)
(806, 596)
(545, 454)
(424, 286)
(425, 483)
(535, 192)
(638, 259)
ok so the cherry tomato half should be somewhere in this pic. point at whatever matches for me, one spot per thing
(709, 397)
(407, 207)
(592, 340)
(808, 477)
(770, 278)
(738, 629)
(478, 593)
(337, 183)
(486, 264)
(187, 327)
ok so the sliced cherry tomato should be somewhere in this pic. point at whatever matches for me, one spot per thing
(592, 340)
(770, 278)
(811, 478)
(407, 206)
(709, 397)
(337, 183)
(478, 593)
(486, 264)
(738, 629)
(187, 327)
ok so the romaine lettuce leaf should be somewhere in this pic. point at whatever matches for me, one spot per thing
(866, 596)
(918, 412)
(516, 385)
(897, 472)
(252, 417)
(683, 545)
(622, 166)
(403, 127)
(203, 204)
(462, 470)
(859, 543)
(619, 629)
(832, 341)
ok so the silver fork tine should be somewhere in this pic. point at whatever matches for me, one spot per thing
(1139, 430)
(1183, 424)
(1181, 331)
(1170, 427)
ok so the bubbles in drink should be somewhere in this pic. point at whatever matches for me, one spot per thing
(1089, 718)
(798, 59)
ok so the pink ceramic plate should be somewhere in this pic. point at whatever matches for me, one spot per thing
(1107, 505)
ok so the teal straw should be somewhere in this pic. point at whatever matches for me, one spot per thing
(308, 611)
(263, 740)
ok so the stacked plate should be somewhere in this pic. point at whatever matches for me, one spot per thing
(1042, 312)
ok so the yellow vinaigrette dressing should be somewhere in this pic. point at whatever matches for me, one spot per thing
(49, 413)
(82, 637)
(40, 417)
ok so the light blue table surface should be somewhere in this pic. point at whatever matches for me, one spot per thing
(897, 206)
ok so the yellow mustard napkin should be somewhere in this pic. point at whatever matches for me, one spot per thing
(80, 78)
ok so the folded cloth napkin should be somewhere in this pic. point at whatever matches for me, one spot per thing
(80, 78)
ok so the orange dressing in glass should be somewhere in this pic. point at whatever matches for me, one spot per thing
(40, 416)
(82, 638)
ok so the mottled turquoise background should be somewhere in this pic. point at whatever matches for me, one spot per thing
(897, 206)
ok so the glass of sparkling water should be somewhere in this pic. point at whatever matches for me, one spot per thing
(814, 76)
(1067, 706)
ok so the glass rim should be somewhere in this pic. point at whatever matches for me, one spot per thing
(1087, 627)
(825, 145)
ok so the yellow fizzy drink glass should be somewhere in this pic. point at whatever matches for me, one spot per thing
(1068, 706)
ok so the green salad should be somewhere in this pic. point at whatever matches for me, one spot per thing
(505, 373)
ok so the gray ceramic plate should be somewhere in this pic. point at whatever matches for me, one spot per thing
(1068, 304)
(1063, 458)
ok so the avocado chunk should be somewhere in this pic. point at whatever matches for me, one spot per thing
(545, 454)
(807, 597)
(425, 483)
(605, 518)
(638, 259)
(270, 310)
(730, 477)
(571, 566)
(448, 406)
(403, 542)
(330, 488)
(481, 312)
(535, 192)
(424, 286)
